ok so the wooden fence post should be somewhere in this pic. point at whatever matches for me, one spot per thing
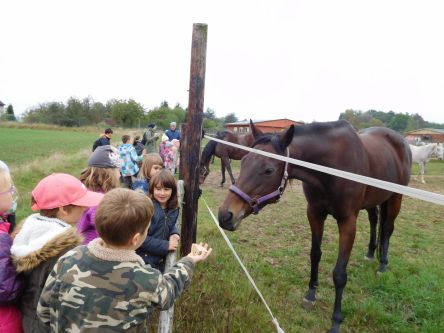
(191, 137)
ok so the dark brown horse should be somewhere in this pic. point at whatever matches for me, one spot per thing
(374, 152)
(224, 152)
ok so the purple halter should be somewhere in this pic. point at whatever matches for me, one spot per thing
(255, 203)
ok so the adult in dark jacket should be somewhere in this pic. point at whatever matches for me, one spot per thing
(173, 133)
(104, 139)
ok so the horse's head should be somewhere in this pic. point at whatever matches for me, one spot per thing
(207, 153)
(261, 180)
(204, 170)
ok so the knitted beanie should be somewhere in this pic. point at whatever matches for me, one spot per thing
(105, 157)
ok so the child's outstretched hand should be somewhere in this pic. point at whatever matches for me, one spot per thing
(199, 252)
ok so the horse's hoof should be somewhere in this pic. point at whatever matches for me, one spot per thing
(367, 258)
(307, 304)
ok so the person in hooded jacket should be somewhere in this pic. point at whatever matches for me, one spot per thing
(45, 236)
(129, 159)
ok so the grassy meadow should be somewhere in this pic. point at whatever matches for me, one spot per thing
(275, 247)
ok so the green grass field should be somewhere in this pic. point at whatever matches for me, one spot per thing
(275, 247)
(21, 146)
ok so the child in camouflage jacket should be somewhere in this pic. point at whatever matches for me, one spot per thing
(105, 285)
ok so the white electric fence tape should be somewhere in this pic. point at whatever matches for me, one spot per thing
(392, 187)
(275, 322)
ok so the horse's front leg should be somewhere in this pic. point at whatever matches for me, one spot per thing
(347, 232)
(222, 169)
(422, 171)
(230, 172)
(317, 230)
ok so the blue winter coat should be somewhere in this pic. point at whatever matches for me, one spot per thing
(142, 184)
(172, 134)
(129, 159)
(155, 247)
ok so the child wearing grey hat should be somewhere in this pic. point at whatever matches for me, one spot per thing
(102, 175)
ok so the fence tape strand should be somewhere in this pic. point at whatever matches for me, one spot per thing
(392, 187)
(275, 322)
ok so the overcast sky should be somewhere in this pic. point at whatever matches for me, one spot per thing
(304, 60)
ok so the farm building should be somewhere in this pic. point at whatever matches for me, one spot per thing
(266, 126)
(426, 135)
(2, 107)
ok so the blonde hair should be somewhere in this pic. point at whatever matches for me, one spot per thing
(121, 214)
(148, 161)
(99, 179)
(5, 180)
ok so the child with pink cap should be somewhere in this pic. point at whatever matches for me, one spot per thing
(45, 236)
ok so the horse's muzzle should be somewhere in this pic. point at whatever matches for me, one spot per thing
(226, 220)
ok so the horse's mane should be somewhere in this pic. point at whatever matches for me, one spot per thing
(314, 127)
(210, 147)
(272, 138)
(320, 128)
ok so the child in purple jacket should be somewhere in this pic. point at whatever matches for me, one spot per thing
(10, 283)
(102, 175)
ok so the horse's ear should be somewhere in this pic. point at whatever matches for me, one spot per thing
(256, 132)
(287, 137)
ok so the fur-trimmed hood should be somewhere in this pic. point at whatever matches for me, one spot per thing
(54, 247)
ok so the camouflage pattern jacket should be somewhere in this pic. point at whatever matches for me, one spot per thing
(96, 289)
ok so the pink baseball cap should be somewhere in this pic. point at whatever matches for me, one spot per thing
(61, 189)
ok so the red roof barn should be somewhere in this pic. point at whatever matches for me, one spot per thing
(266, 126)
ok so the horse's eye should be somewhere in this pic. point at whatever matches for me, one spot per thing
(269, 171)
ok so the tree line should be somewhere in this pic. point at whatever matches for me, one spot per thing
(129, 113)
(123, 113)
(400, 122)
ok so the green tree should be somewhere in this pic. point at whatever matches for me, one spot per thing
(230, 118)
(210, 114)
(399, 122)
(9, 114)
(162, 116)
(127, 113)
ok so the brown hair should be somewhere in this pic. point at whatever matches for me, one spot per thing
(165, 179)
(99, 179)
(121, 214)
(52, 213)
(148, 161)
(125, 138)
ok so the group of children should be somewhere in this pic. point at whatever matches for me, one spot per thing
(79, 262)
(131, 155)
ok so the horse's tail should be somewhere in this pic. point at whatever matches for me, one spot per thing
(210, 148)
(208, 151)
